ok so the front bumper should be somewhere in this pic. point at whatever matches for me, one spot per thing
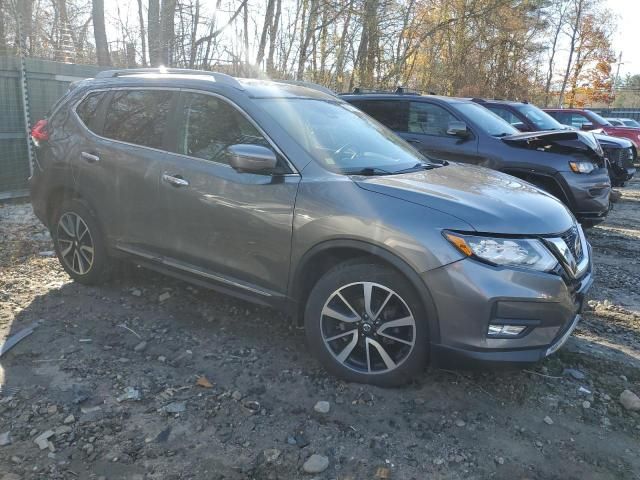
(590, 194)
(470, 295)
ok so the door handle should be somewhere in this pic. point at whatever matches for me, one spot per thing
(414, 141)
(90, 157)
(176, 181)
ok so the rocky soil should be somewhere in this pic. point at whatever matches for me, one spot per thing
(151, 378)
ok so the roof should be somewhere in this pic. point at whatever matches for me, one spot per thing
(402, 96)
(498, 101)
(255, 88)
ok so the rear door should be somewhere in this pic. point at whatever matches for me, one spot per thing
(132, 153)
(231, 227)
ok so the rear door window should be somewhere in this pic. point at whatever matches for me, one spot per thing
(429, 119)
(138, 117)
(390, 113)
(87, 110)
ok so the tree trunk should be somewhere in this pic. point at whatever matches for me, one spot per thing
(342, 48)
(193, 50)
(266, 26)
(26, 13)
(100, 33)
(153, 32)
(245, 33)
(273, 35)
(574, 35)
(167, 31)
(3, 38)
(143, 37)
(368, 43)
(306, 38)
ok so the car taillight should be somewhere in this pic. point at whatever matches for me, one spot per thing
(39, 132)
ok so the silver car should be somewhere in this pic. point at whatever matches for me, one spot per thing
(287, 196)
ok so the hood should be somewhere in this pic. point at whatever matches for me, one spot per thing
(557, 141)
(489, 201)
(626, 130)
(610, 141)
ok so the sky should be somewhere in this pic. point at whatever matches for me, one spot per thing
(627, 36)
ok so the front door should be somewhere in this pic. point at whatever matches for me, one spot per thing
(427, 131)
(231, 227)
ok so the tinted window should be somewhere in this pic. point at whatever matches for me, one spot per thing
(541, 120)
(210, 125)
(429, 119)
(576, 120)
(505, 114)
(391, 114)
(88, 109)
(485, 119)
(138, 116)
(597, 118)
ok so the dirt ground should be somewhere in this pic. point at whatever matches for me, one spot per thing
(108, 385)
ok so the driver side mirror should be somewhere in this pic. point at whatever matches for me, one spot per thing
(458, 129)
(586, 126)
(247, 158)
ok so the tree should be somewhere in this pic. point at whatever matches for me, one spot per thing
(100, 33)
(153, 32)
(167, 32)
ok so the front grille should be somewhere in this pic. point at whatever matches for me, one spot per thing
(619, 156)
(572, 238)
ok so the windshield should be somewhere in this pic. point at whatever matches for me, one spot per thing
(486, 120)
(342, 138)
(541, 120)
(629, 122)
(598, 119)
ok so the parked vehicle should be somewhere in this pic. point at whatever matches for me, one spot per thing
(570, 165)
(620, 152)
(588, 120)
(289, 197)
(623, 122)
(615, 122)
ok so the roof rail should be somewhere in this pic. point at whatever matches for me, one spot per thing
(311, 85)
(218, 77)
(478, 100)
(406, 91)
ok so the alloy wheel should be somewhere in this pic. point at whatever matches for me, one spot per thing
(75, 243)
(368, 327)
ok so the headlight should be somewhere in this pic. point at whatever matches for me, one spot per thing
(514, 252)
(581, 167)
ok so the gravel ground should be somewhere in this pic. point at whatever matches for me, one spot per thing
(151, 378)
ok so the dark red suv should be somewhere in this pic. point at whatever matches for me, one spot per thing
(588, 120)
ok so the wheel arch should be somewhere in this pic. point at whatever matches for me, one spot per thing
(323, 257)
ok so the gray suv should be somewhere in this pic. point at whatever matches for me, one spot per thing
(287, 196)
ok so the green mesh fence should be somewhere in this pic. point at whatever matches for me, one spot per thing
(46, 82)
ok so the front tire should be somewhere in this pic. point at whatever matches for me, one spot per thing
(366, 323)
(79, 243)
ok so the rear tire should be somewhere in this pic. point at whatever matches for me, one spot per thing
(366, 323)
(79, 243)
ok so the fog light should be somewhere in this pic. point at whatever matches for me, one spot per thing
(505, 330)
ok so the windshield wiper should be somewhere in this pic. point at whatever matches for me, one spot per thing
(367, 171)
(422, 166)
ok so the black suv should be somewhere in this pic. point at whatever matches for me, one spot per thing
(620, 152)
(568, 164)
